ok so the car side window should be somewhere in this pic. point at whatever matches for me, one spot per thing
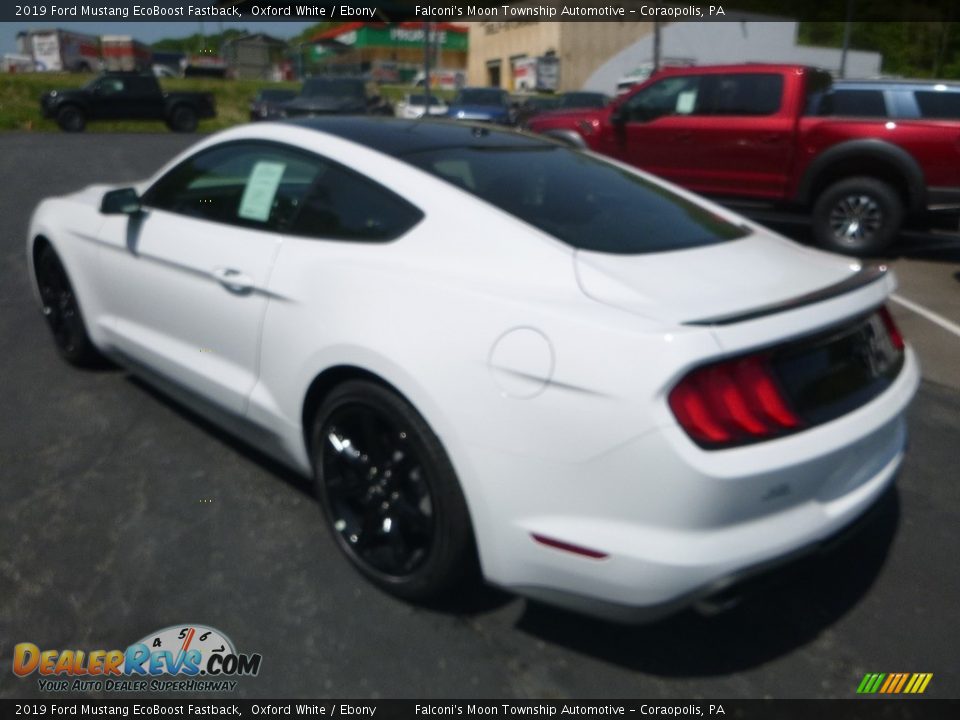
(110, 86)
(938, 104)
(670, 96)
(752, 94)
(141, 86)
(343, 205)
(854, 103)
(258, 185)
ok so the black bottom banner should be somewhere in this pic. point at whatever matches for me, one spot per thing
(874, 709)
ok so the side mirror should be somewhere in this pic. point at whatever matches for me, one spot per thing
(617, 115)
(124, 201)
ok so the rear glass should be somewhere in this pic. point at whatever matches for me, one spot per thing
(585, 202)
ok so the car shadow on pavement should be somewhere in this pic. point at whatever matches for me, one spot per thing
(266, 462)
(787, 610)
(471, 597)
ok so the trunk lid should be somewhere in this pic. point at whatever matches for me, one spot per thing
(749, 277)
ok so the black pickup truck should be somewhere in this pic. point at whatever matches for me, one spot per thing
(126, 96)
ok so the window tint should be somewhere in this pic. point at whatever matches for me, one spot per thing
(587, 203)
(481, 96)
(140, 86)
(939, 104)
(326, 87)
(741, 94)
(109, 86)
(276, 95)
(670, 96)
(854, 103)
(250, 184)
(343, 205)
(583, 100)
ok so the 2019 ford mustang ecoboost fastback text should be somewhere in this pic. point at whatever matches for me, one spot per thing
(490, 350)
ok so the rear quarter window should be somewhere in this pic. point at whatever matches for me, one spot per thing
(938, 104)
(854, 103)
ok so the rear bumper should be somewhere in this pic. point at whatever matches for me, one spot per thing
(725, 588)
(675, 524)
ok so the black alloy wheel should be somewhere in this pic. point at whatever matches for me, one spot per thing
(389, 492)
(62, 310)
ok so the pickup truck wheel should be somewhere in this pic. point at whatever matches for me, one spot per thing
(857, 216)
(183, 119)
(70, 118)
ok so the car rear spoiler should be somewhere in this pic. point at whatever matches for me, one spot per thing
(867, 274)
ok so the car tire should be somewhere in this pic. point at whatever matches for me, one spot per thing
(389, 493)
(70, 118)
(857, 216)
(183, 119)
(62, 310)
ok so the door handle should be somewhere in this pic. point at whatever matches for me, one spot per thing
(234, 280)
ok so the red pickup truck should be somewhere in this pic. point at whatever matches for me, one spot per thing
(753, 133)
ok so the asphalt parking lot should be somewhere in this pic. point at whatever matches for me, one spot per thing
(121, 513)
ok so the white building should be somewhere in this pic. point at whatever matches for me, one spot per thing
(716, 43)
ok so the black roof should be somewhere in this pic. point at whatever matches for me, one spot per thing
(393, 136)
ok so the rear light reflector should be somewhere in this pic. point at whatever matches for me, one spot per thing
(568, 547)
(892, 330)
(731, 403)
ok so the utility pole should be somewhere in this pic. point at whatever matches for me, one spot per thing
(656, 46)
(426, 64)
(846, 40)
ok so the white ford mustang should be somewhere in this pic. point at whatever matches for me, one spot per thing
(493, 352)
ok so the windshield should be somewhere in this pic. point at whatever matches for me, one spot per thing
(277, 95)
(422, 100)
(583, 100)
(587, 203)
(480, 96)
(333, 88)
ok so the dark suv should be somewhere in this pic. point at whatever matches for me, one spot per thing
(335, 96)
(898, 99)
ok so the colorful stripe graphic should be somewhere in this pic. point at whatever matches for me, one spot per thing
(894, 683)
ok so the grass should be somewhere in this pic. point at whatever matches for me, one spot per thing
(20, 100)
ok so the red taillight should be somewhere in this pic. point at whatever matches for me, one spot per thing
(731, 403)
(892, 330)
